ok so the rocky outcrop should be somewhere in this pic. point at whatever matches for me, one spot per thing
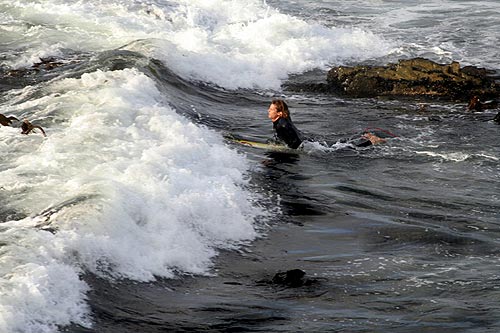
(414, 77)
(293, 278)
(45, 64)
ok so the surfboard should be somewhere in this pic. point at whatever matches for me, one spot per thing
(263, 145)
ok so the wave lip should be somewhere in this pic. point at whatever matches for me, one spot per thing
(232, 44)
(259, 47)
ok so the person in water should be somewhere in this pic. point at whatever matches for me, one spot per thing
(7, 121)
(367, 139)
(476, 104)
(282, 123)
(497, 118)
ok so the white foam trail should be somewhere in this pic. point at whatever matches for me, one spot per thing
(148, 193)
(313, 147)
(489, 157)
(452, 156)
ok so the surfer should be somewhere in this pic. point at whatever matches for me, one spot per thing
(282, 123)
(28, 127)
(368, 139)
(497, 118)
(477, 105)
(6, 121)
(370, 136)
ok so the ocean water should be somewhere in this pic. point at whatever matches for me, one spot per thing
(136, 214)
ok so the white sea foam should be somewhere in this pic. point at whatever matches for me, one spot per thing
(313, 147)
(449, 156)
(234, 44)
(147, 194)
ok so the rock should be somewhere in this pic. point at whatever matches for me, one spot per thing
(291, 278)
(45, 64)
(412, 78)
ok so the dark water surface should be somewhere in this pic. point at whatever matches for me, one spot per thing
(401, 236)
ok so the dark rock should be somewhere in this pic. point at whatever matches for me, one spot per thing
(412, 78)
(291, 278)
(45, 64)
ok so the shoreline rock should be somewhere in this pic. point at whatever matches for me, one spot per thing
(417, 77)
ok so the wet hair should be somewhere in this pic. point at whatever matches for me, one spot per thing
(474, 104)
(380, 132)
(281, 107)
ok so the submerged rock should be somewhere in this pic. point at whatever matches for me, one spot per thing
(414, 77)
(45, 64)
(292, 278)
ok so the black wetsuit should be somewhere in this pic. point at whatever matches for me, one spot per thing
(497, 118)
(287, 132)
(361, 142)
